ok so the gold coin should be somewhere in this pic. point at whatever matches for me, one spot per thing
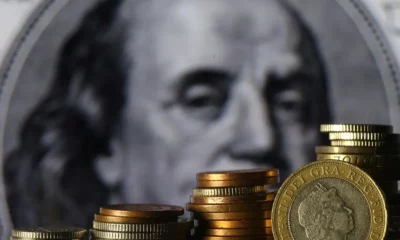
(356, 128)
(234, 232)
(351, 143)
(356, 150)
(255, 174)
(236, 183)
(246, 223)
(114, 219)
(331, 192)
(370, 136)
(134, 235)
(270, 237)
(233, 215)
(231, 191)
(142, 210)
(240, 207)
(49, 233)
(362, 160)
(183, 225)
(230, 199)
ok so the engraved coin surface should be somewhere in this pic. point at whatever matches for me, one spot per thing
(329, 200)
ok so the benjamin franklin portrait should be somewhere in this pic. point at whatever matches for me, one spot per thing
(137, 96)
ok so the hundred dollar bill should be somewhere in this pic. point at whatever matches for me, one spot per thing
(125, 101)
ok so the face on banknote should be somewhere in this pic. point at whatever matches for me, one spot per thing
(125, 101)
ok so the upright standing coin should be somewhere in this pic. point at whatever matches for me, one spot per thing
(327, 200)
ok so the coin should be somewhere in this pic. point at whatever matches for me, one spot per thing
(232, 191)
(246, 223)
(234, 232)
(370, 136)
(236, 183)
(233, 215)
(356, 128)
(329, 192)
(142, 210)
(49, 233)
(183, 225)
(230, 199)
(353, 143)
(362, 160)
(240, 207)
(254, 174)
(356, 150)
(135, 235)
(114, 219)
(234, 238)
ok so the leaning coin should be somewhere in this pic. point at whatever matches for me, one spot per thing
(230, 191)
(134, 235)
(230, 199)
(259, 173)
(182, 225)
(354, 143)
(329, 191)
(114, 219)
(370, 136)
(237, 183)
(356, 128)
(239, 207)
(250, 232)
(233, 215)
(49, 233)
(142, 210)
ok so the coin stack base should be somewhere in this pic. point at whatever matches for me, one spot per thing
(49, 233)
(141, 222)
(233, 204)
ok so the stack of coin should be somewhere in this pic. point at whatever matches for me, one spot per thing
(45, 233)
(233, 204)
(141, 221)
(374, 149)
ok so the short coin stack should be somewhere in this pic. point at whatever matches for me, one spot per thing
(374, 149)
(46, 233)
(233, 204)
(141, 222)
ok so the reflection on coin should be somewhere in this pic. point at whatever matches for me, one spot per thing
(240, 207)
(333, 198)
(233, 215)
(247, 223)
(142, 210)
(353, 143)
(230, 199)
(235, 232)
(114, 219)
(370, 136)
(238, 174)
(236, 238)
(237, 183)
(184, 225)
(355, 128)
(49, 233)
(356, 150)
(231, 191)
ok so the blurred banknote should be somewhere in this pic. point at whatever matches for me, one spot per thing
(105, 101)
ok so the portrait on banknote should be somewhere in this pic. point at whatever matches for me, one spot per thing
(126, 100)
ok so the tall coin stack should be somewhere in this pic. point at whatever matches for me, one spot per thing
(374, 149)
(46, 233)
(141, 222)
(233, 204)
